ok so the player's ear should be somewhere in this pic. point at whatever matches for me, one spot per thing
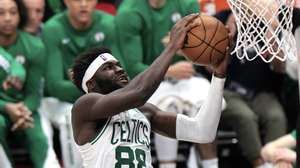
(91, 84)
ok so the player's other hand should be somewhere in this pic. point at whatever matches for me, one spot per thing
(12, 82)
(181, 70)
(180, 29)
(165, 41)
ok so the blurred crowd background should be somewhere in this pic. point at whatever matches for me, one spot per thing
(39, 40)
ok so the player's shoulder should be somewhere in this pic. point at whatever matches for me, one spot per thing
(101, 14)
(132, 6)
(4, 54)
(86, 101)
(31, 46)
(33, 41)
(134, 13)
(103, 19)
(56, 21)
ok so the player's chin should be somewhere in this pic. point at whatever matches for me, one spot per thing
(8, 31)
(84, 19)
(123, 82)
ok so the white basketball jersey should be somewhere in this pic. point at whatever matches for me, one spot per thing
(123, 142)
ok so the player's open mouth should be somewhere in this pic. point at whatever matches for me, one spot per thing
(123, 78)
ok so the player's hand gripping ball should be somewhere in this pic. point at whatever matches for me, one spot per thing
(206, 44)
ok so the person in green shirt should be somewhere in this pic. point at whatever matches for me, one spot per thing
(141, 26)
(12, 76)
(65, 36)
(35, 10)
(28, 51)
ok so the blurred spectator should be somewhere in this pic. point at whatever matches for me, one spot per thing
(280, 151)
(290, 96)
(12, 76)
(35, 10)
(19, 112)
(291, 90)
(253, 109)
(143, 27)
(66, 35)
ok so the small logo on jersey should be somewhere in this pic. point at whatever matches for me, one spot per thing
(65, 41)
(103, 57)
(175, 17)
(99, 36)
(21, 59)
(4, 64)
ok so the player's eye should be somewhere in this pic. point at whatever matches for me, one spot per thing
(118, 64)
(108, 67)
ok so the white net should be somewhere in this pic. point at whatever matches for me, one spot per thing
(266, 27)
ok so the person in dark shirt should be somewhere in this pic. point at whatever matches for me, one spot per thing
(253, 108)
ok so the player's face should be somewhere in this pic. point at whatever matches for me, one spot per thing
(9, 17)
(111, 75)
(81, 10)
(35, 14)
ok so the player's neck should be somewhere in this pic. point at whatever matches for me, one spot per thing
(79, 25)
(31, 30)
(156, 4)
(6, 41)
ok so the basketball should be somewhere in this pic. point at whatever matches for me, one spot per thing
(206, 44)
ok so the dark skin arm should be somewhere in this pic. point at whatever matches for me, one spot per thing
(89, 108)
(162, 122)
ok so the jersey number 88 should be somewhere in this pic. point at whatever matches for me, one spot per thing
(127, 156)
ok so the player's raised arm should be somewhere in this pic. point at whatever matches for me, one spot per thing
(201, 128)
(115, 94)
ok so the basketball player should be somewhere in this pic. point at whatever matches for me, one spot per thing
(112, 121)
(141, 27)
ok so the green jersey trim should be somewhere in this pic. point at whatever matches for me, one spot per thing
(102, 131)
